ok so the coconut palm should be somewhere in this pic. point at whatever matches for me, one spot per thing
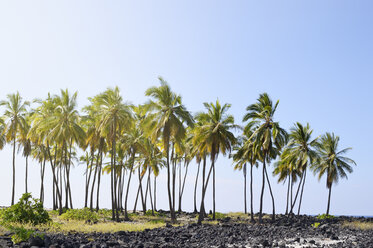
(332, 162)
(114, 115)
(245, 154)
(165, 120)
(25, 145)
(268, 138)
(301, 152)
(215, 136)
(15, 118)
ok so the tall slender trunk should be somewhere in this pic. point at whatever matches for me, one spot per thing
(182, 188)
(26, 176)
(296, 195)
(128, 186)
(287, 196)
(14, 167)
(141, 192)
(251, 194)
(42, 170)
(244, 188)
(58, 193)
(98, 182)
(68, 176)
(150, 193)
(173, 217)
(330, 192)
(195, 189)
(213, 190)
(137, 197)
(262, 191)
(273, 199)
(301, 193)
(179, 208)
(204, 188)
(93, 184)
(155, 193)
(173, 182)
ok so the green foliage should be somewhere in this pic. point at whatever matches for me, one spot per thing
(23, 234)
(27, 210)
(156, 221)
(218, 215)
(80, 214)
(324, 216)
(316, 224)
(105, 213)
(149, 213)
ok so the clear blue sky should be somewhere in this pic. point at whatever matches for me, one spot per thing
(315, 56)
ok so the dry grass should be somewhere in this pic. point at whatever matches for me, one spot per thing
(359, 225)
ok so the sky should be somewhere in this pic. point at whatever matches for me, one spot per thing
(316, 57)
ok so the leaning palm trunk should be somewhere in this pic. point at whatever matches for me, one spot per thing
(58, 193)
(98, 182)
(204, 188)
(296, 195)
(141, 191)
(301, 193)
(195, 190)
(173, 217)
(213, 191)
(42, 171)
(273, 199)
(128, 187)
(183, 186)
(155, 193)
(330, 192)
(262, 191)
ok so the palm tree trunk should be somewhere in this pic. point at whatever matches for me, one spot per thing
(141, 192)
(26, 176)
(150, 194)
(173, 217)
(173, 182)
(42, 170)
(98, 182)
(213, 190)
(330, 192)
(296, 195)
(204, 188)
(179, 209)
(128, 186)
(301, 193)
(195, 190)
(251, 194)
(244, 188)
(287, 196)
(137, 197)
(182, 188)
(155, 193)
(262, 192)
(14, 167)
(273, 199)
(93, 185)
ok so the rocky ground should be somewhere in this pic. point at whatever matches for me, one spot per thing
(284, 232)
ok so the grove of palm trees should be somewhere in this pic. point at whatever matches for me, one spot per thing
(115, 139)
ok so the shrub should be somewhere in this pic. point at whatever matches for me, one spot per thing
(80, 214)
(27, 210)
(218, 215)
(149, 213)
(324, 216)
(22, 234)
(316, 224)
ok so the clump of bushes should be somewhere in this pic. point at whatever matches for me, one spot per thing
(84, 214)
(27, 210)
(149, 213)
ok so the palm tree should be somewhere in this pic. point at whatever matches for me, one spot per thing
(25, 144)
(215, 135)
(165, 119)
(15, 116)
(245, 154)
(332, 162)
(301, 152)
(115, 115)
(268, 138)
